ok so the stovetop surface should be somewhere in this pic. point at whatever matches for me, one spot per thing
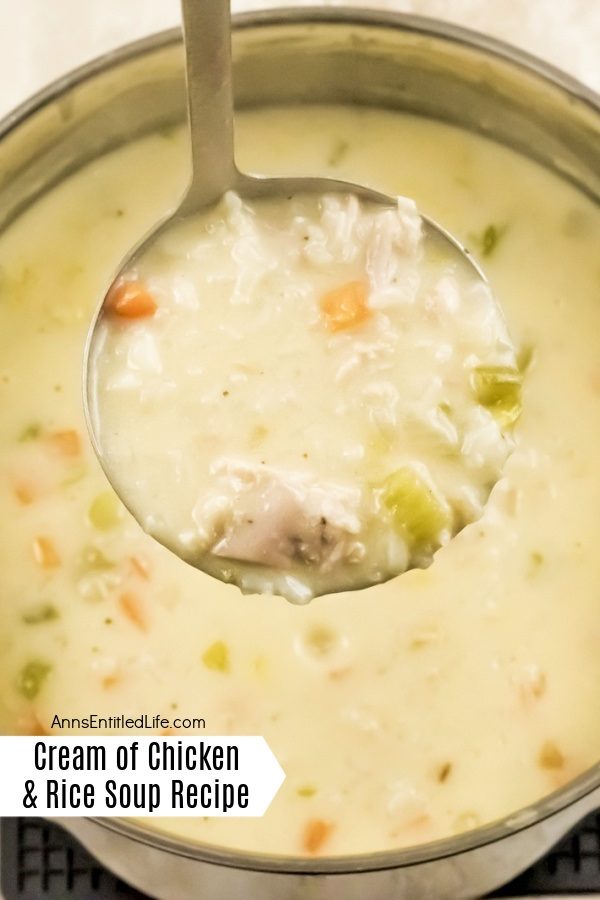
(42, 862)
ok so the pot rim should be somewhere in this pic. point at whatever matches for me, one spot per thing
(578, 788)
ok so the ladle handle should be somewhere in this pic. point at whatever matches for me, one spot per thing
(207, 33)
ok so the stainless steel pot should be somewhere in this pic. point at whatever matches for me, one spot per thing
(325, 55)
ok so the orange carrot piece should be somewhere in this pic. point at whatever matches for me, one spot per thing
(550, 757)
(346, 306)
(110, 681)
(413, 830)
(66, 443)
(45, 554)
(132, 608)
(316, 833)
(31, 726)
(422, 821)
(131, 300)
(24, 493)
(140, 566)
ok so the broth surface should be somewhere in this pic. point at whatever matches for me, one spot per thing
(407, 712)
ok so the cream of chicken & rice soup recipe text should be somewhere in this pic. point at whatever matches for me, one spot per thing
(161, 755)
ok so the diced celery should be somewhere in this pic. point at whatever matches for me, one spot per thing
(32, 677)
(168, 131)
(30, 433)
(498, 388)
(320, 640)
(490, 238)
(257, 435)
(46, 612)
(525, 357)
(92, 559)
(536, 562)
(216, 657)
(105, 511)
(76, 474)
(306, 790)
(15, 284)
(338, 152)
(414, 507)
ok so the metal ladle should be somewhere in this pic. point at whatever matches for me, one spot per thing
(207, 37)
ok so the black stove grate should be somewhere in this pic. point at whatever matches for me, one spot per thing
(42, 862)
(572, 867)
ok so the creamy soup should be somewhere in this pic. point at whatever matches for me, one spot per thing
(415, 709)
(303, 395)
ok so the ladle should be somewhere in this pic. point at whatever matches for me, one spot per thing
(207, 34)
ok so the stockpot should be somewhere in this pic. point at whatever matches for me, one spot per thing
(332, 56)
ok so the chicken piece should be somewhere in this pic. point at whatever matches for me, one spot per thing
(278, 518)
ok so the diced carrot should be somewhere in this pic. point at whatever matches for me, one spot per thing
(110, 681)
(422, 821)
(132, 608)
(130, 300)
(45, 553)
(346, 306)
(409, 830)
(550, 757)
(140, 566)
(31, 726)
(559, 777)
(24, 493)
(316, 833)
(66, 443)
(340, 673)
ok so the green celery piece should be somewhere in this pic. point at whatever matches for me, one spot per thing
(30, 433)
(32, 677)
(525, 358)
(216, 657)
(92, 559)
(498, 388)
(46, 612)
(414, 507)
(490, 238)
(338, 152)
(168, 131)
(306, 790)
(75, 475)
(105, 511)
